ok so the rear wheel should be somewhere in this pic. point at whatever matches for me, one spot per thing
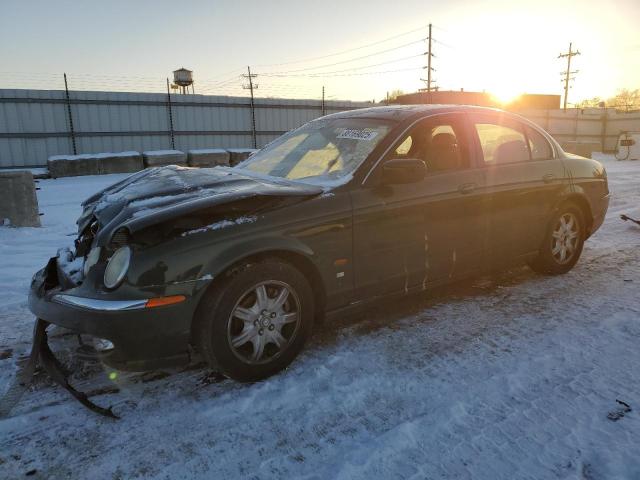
(563, 242)
(256, 322)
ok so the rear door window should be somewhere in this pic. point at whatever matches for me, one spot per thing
(502, 144)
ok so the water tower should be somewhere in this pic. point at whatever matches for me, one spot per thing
(184, 79)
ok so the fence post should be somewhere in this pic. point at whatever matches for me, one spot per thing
(603, 129)
(173, 143)
(71, 130)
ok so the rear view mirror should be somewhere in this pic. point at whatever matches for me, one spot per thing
(403, 170)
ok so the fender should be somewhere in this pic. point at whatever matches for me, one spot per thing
(234, 252)
(576, 193)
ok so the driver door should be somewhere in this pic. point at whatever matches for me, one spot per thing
(407, 236)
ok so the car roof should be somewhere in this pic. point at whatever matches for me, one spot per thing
(403, 112)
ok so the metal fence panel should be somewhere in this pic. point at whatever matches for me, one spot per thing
(34, 124)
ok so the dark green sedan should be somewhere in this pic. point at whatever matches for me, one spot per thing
(236, 264)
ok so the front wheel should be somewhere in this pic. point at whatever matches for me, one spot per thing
(563, 242)
(256, 322)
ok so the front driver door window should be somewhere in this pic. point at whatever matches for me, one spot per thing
(409, 235)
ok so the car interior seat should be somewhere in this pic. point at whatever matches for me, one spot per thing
(511, 151)
(444, 153)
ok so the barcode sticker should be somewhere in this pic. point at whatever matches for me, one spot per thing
(358, 134)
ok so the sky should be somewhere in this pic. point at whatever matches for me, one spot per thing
(503, 47)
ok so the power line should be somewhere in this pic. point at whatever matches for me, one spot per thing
(352, 59)
(310, 59)
(323, 74)
(413, 69)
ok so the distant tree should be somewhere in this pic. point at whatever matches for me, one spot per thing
(625, 99)
(591, 102)
(393, 94)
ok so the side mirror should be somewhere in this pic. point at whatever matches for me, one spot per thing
(403, 170)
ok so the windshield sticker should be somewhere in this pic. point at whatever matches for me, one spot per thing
(358, 134)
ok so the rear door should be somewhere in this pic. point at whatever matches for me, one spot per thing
(523, 183)
(409, 235)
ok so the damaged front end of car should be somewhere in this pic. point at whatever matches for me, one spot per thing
(142, 261)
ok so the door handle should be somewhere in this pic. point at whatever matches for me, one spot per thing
(467, 188)
(548, 178)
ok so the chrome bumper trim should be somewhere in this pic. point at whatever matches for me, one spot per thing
(99, 305)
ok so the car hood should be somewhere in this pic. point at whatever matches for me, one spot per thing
(159, 194)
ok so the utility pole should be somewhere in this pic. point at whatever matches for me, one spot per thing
(428, 67)
(250, 76)
(324, 109)
(568, 73)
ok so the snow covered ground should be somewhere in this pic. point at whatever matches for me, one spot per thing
(498, 378)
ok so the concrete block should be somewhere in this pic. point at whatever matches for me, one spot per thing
(72, 166)
(18, 201)
(208, 157)
(239, 154)
(94, 164)
(123, 162)
(159, 158)
(584, 149)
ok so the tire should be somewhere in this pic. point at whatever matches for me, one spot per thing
(563, 241)
(248, 327)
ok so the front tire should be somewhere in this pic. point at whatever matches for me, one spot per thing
(256, 321)
(563, 241)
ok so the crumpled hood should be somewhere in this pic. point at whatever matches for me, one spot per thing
(159, 194)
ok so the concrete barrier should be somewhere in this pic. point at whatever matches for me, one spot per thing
(18, 201)
(208, 157)
(159, 158)
(94, 164)
(239, 154)
(584, 149)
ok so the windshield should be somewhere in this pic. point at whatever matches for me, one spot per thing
(324, 151)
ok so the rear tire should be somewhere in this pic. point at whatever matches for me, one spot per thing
(256, 321)
(563, 241)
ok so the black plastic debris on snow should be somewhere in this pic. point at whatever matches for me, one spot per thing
(619, 412)
(630, 219)
(41, 355)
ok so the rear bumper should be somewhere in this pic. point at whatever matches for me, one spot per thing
(599, 212)
(142, 338)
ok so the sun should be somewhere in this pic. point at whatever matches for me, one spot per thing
(505, 94)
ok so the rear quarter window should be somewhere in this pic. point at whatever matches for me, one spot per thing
(539, 146)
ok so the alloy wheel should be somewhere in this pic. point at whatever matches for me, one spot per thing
(565, 238)
(264, 322)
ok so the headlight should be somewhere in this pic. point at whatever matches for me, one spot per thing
(117, 267)
(91, 260)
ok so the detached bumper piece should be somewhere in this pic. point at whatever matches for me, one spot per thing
(630, 219)
(42, 355)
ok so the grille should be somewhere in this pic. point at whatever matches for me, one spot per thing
(120, 238)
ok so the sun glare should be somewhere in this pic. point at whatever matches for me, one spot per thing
(505, 95)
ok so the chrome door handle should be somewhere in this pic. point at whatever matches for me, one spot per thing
(548, 178)
(467, 188)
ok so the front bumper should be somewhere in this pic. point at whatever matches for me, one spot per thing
(142, 338)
